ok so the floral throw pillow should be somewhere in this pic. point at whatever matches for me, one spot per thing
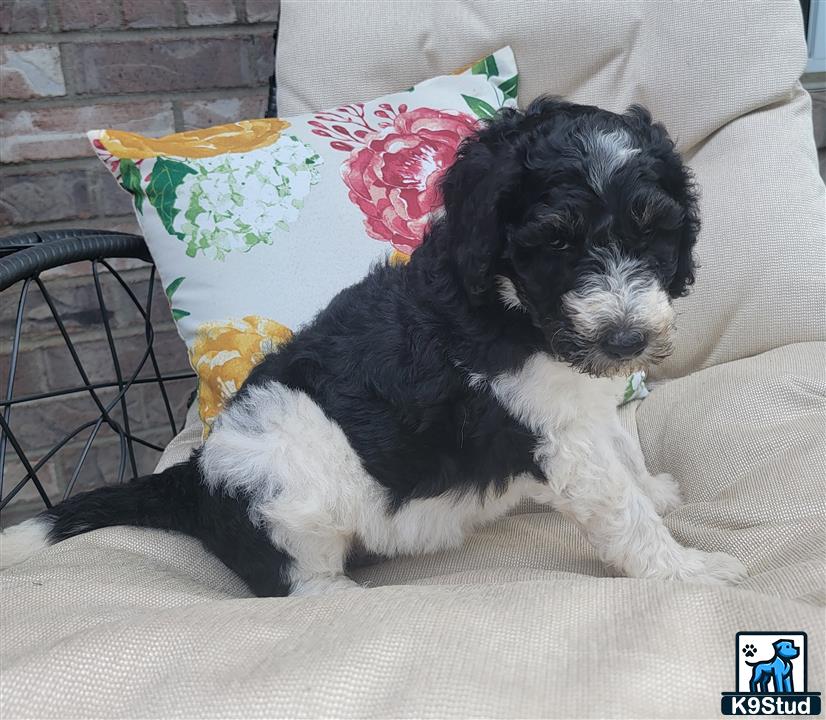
(255, 226)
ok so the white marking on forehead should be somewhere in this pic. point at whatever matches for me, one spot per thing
(508, 294)
(607, 152)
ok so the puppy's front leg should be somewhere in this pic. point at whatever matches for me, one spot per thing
(588, 478)
(588, 481)
(662, 489)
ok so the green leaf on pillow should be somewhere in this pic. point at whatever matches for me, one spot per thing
(485, 66)
(177, 313)
(510, 87)
(481, 108)
(173, 286)
(130, 180)
(163, 183)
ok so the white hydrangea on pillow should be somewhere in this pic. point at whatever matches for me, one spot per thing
(233, 203)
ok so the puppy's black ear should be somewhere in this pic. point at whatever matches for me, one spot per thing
(639, 115)
(473, 189)
(676, 179)
(684, 275)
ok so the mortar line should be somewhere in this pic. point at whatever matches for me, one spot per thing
(136, 34)
(126, 97)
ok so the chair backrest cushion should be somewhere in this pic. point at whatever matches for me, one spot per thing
(722, 77)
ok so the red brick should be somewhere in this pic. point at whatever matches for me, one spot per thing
(109, 197)
(263, 58)
(29, 374)
(157, 66)
(57, 195)
(178, 392)
(103, 461)
(52, 133)
(81, 269)
(87, 14)
(262, 10)
(149, 13)
(209, 12)
(23, 16)
(74, 296)
(27, 501)
(204, 113)
(75, 302)
(31, 71)
(43, 423)
(99, 468)
(60, 370)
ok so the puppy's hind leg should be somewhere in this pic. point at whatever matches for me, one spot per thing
(318, 546)
(306, 484)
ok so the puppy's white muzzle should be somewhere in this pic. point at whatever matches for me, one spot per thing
(620, 316)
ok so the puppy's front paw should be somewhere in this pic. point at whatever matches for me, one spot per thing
(664, 491)
(714, 568)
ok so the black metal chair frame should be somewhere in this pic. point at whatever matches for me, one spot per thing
(22, 260)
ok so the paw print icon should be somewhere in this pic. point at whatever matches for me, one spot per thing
(749, 650)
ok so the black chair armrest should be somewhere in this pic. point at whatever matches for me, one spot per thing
(23, 258)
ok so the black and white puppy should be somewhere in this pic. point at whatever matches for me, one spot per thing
(430, 398)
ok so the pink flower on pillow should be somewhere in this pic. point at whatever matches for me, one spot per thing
(393, 171)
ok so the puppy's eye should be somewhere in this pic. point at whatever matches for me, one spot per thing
(559, 242)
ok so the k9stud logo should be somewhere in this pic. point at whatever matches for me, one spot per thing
(771, 676)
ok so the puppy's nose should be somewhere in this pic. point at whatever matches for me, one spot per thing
(623, 343)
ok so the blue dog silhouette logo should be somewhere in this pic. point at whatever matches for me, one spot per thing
(776, 671)
(771, 676)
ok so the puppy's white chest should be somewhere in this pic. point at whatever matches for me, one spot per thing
(563, 407)
(549, 396)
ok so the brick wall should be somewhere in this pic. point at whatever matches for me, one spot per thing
(66, 66)
(150, 66)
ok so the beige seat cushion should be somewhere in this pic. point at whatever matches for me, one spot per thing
(522, 621)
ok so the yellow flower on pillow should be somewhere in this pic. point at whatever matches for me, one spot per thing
(232, 138)
(398, 258)
(224, 353)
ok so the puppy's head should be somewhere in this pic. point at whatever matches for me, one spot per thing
(580, 218)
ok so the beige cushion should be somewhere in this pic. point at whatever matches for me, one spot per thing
(723, 79)
(522, 621)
